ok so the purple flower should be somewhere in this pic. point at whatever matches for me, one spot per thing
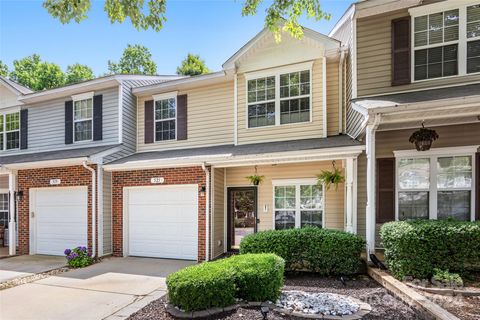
(84, 249)
(73, 255)
(67, 252)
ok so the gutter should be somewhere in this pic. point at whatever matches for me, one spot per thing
(94, 206)
(207, 212)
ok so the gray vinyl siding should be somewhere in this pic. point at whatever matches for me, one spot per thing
(46, 125)
(107, 212)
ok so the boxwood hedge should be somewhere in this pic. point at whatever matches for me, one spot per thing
(252, 277)
(327, 252)
(415, 248)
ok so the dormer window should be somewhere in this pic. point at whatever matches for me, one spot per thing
(10, 131)
(445, 43)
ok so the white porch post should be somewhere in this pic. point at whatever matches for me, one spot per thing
(12, 241)
(349, 181)
(370, 218)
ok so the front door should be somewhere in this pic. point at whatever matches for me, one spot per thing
(242, 215)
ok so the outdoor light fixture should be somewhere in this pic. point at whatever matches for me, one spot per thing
(19, 195)
(202, 190)
(265, 311)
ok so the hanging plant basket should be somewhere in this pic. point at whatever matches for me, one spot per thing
(328, 178)
(423, 138)
(255, 179)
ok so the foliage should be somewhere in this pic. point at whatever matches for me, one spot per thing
(36, 74)
(78, 73)
(328, 178)
(283, 15)
(447, 278)
(423, 134)
(3, 69)
(327, 252)
(415, 247)
(252, 277)
(78, 257)
(136, 59)
(255, 179)
(117, 11)
(192, 65)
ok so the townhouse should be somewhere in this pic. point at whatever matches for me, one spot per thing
(53, 144)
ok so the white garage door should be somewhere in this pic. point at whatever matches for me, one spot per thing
(59, 219)
(163, 221)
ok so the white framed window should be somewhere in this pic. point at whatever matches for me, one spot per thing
(278, 97)
(83, 118)
(298, 203)
(4, 210)
(10, 131)
(445, 39)
(165, 116)
(436, 184)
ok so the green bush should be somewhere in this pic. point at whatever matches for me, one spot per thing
(447, 278)
(78, 257)
(414, 248)
(252, 277)
(327, 252)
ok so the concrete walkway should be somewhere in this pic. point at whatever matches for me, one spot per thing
(26, 265)
(111, 289)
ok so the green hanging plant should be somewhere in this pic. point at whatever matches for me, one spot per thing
(255, 179)
(328, 178)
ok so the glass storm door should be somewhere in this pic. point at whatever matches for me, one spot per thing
(242, 215)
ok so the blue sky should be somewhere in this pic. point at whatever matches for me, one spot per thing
(213, 29)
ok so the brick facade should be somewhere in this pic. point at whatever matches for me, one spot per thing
(72, 176)
(172, 176)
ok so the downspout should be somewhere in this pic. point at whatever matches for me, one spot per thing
(340, 90)
(207, 212)
(324, 95)
(94, 206)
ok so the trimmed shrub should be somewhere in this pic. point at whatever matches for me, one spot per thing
(78, 257)
(327, 252)
(252, 277)
(414, 248)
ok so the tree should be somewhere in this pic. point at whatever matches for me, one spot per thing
(281, 15)
(135, 59)
(78, 73)
(3, 69)
(36, 74)
(192, 65)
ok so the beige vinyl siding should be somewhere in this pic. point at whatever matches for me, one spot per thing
(332, 98)
(306, 130)
(374, 58)
(449, 136)
(218, 214)
(334, 200)
(7, 98)
(4, 181)
(209, 117)
(107, 212)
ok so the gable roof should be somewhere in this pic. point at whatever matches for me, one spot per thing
(17, 88)
(329, 43)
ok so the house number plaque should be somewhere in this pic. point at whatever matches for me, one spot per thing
(55, 182)
(157, 180)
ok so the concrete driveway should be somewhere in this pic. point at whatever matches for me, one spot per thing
(111, 289)
(26, 265)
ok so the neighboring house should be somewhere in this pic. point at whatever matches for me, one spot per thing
(413, 61)
(53, 144)
(276, 110)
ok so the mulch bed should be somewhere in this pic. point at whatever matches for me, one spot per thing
(384, 305)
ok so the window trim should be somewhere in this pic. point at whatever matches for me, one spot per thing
(433, 155)
(276, 72)
(297, 183)
(433, 8)
(4, 132)
(160, 97)
(76, 98)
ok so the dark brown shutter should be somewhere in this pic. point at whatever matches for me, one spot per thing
(385, 190)
(98, 117)
(149, 130)
(68, 122)
(477, 186)
(401, 51)
(24, 129)
(182, 117)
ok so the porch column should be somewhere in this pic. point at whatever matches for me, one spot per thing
(370, 210)
(12, 241)
(351, 194)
